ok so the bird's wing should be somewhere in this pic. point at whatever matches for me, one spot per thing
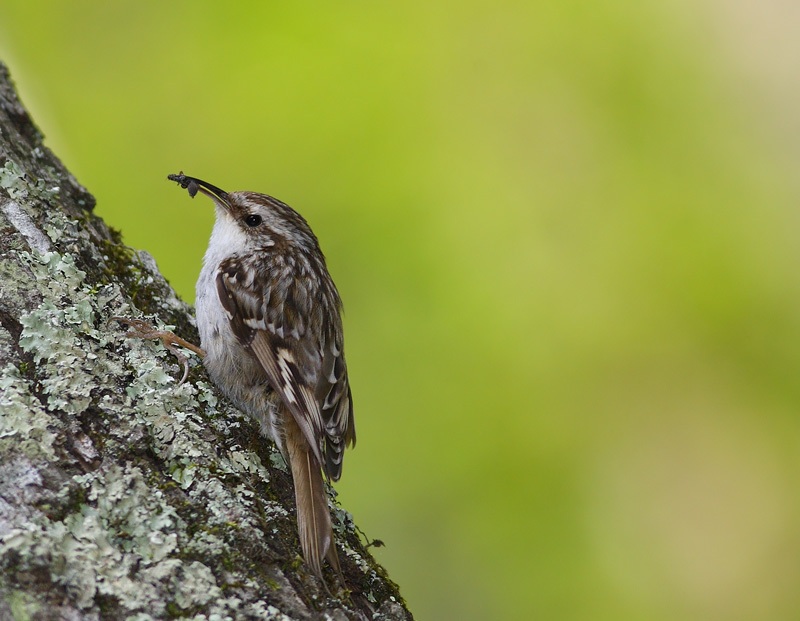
(333, 393)
(268, 323)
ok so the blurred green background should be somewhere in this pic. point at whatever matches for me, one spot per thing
(566, 237)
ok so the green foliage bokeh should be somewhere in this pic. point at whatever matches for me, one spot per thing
(565, 234)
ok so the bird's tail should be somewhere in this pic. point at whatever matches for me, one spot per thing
(313, 517)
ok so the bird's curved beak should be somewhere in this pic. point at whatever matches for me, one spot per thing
(193, 185)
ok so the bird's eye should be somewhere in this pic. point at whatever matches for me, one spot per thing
(253, 220)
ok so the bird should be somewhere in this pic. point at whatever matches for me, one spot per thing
(270, 323)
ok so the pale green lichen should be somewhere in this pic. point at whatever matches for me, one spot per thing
(12, 179)
(58, 271)
(64, 338)
(22, 605)
(25, 426)
(262, 610)
(195, 586)
(117, 544)
(126, 529)
(58, 227)
(277, 461)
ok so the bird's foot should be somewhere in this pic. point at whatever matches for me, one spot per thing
(140, 329)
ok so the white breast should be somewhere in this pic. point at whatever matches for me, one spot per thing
(232, 368)
(213, 324)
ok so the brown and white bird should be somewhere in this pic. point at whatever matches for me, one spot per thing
(269, 318)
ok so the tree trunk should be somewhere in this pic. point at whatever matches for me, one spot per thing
(124, 495)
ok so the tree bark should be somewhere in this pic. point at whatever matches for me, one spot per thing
(124, 495)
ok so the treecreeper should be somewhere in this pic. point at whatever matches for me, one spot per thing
(269, 319)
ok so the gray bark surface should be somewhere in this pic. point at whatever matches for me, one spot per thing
(122, 494)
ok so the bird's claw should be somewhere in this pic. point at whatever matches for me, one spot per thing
(140, 329)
